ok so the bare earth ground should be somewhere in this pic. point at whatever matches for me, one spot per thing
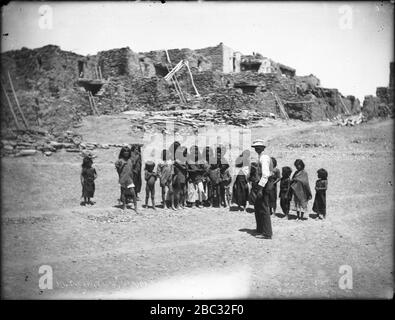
(104, 252)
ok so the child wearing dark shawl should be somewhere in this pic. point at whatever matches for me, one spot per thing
(180, 177)
(88, 176)
(240, 187)
(210, 165)
(285, 190)
(135, 157)
(214, 175)
(321, 186)
(273, 180)
(253, 178)
(300, 189)
(124, 168)
(150, 178)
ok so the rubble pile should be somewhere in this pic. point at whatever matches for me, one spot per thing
(36, 141)
(191, 119)
(351, 120)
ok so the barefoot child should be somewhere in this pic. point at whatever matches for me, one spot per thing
(273, 180)
(226, 179)
(150, 178)
(180, 177)
(285, 190)
(124, 168)
(165, 172)
(88, 176)
(300, 189)
(321, 186)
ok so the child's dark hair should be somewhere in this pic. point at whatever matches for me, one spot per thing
(286, 171)
(299, 162)
(274, 162)
(223, 167)
(87, 162)
(122, 151)
(149, 166)
(322, 174)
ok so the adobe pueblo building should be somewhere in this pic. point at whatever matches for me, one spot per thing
(55, 88)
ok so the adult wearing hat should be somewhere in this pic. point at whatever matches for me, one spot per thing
(261, 204)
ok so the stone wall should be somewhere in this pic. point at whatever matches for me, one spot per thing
(119, 62)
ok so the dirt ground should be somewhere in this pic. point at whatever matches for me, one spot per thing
(101, 252)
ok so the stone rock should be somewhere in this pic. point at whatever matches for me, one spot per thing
(26, 152)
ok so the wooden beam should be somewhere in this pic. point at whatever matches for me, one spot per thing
(296, 102)
(174, 80)
(11, 108)
(17, 102)
(190, 73)
(344, 106)
(281, 106)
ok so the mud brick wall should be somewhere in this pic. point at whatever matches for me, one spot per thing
(128, 93)
(119, 62)
(373, 107)
(89, 66)
(215, 55)
(29, 69)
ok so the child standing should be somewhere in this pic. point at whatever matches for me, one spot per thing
(285, 190)
(165, 172)
(226, 179)
(300, 189)
(150, 178)
(240, 187)
(214, 176)
(124, 168)
(272, 181)
(196, 173)
(321, 186)
(88, 176)
(180, 177)
(253, 179)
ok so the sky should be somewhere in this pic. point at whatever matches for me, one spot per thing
(347, 45)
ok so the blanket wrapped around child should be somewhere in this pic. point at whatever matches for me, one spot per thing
(301, 189)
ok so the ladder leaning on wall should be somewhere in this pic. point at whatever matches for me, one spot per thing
(281, 106)
(92, 104)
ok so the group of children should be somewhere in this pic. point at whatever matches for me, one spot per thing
(194, 179)
(188, 179)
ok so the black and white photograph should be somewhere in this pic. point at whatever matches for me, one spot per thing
(197, 150)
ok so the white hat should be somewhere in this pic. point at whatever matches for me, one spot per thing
(258, 143)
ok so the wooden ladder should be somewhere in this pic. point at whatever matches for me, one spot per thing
(92, 104)
(281, 106)
(14, 115)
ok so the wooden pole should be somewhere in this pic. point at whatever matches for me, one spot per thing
(175, 81)
(90, 103)
(190, 73)
(17, 102)
(11, 108)
(344, 106)
(281, 106)
(93, 104)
